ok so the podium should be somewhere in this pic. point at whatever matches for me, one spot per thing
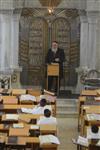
(53, 70)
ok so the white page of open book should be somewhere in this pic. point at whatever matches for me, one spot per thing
(82, 141)
(28, 97)
(46, 139)
(34, 127)
(93, 116)
(12, 116)
(18, 125)
(27, 110)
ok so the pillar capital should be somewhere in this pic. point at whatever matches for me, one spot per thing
(93, 17)
(83, 16)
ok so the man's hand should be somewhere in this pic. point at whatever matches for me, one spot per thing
(57, 59)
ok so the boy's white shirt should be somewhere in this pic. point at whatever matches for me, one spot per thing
(91, 135)
(45, 120)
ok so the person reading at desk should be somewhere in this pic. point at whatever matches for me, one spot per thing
(95, 137)
(93, 132)
(55, 55)
(39, 109)
(47, 118)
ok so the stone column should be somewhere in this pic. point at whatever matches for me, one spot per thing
(15, 48)
(83, 47)
(15, 39)
(83, 41)
(5, 47)
(92, 37)
(9, 44)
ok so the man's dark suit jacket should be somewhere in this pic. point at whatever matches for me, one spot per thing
(51, 59)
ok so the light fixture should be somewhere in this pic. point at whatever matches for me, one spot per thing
(50, 10)
(50, 4)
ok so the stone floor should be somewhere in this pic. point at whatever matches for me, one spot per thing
(67, 129)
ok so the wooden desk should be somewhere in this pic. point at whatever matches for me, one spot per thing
(33, 140)
(81, 101)
(19, 131)
(17, 92)
(34, 92)
(91, 122)
(9, 100)
(50, 129)
(22, 117)
(18, 106)
(86, 109)
(5, 91)
(89, 93)
(53, 70)
(13, 108)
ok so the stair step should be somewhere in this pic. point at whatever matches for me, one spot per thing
(67, 101)
(67, 114)
(66, 105)
(67, 109)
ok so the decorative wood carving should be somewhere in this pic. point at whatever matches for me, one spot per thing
(35, 33)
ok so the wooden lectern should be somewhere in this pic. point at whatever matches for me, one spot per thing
(53, 70)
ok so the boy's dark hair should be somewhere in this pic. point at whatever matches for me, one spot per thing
(94, 128)
(43, 102)
(47, 113)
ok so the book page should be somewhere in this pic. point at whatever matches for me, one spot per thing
(18, 125)
(12, 116)
(26, 110)
(82, 141)
(93, 116)
(28, 97)
(47, 139)
(34, 127)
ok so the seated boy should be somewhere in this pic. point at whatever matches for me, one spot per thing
(47, 118)
(39, 109)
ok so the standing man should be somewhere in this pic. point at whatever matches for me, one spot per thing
(55, 55)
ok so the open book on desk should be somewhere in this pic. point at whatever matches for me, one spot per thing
(27, 110)
(12, 116)
(36, 127)
(81, 141)
(18, 125)
(91, 117)
(48, 139)
(27, 97)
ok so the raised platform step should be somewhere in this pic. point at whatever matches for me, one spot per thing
(67, 114)
(67, 101)
(67, 108)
